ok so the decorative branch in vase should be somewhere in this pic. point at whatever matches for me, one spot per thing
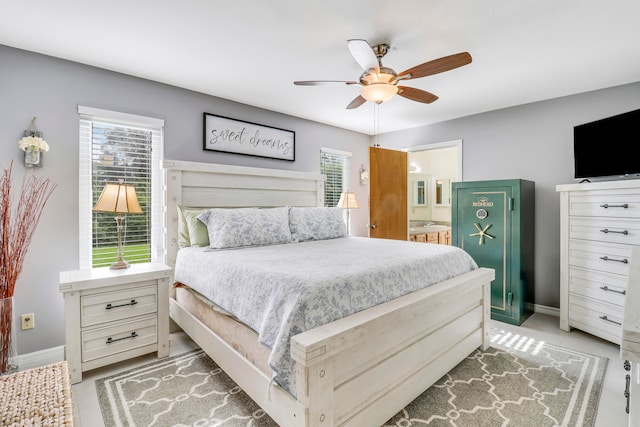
(17, 226)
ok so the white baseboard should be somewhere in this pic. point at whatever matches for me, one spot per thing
(544, 309)
(40, 358)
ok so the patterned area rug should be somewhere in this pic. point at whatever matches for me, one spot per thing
(518, 381)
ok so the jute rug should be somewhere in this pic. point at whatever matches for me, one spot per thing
(518, 381)
(37, 397)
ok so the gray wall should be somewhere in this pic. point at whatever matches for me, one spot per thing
(533, 142)
(51, 89)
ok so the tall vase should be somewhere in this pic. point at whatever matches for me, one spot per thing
(7, 341)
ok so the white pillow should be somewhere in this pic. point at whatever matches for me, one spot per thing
(232, 228)
(316, 223)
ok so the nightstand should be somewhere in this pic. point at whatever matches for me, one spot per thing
(114, 315)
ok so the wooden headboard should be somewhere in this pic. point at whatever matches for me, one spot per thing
(212, 185)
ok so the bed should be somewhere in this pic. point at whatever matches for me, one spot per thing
(354, 371)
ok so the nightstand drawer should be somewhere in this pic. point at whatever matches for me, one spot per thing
(116, 305)
(116, 338)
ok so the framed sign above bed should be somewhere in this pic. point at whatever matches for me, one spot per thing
(234, 136)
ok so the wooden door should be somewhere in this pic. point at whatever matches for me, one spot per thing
(388, 209)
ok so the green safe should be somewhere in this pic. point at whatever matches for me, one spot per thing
(493, 221)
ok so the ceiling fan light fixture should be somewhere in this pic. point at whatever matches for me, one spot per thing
(378, 75)
(378, 92)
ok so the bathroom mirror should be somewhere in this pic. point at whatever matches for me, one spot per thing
(442, 191)
(420, 192)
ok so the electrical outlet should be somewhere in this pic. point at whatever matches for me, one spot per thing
(28, 321)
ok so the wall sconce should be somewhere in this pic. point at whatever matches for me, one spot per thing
(33, 146)
(364, 175)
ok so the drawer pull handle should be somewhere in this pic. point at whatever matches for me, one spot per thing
(606, 230)
(111, 340)
(607, 205)
(109, 306)
(627, 393)
(606, 288)
(606, 258)
(604, 317)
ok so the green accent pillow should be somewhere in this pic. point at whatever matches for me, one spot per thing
(191, 231)
(183, 230)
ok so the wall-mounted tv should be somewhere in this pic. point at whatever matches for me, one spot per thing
(605, 148)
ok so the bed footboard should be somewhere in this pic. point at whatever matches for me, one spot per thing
(363, 369)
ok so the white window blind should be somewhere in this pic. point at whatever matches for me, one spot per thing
(117, 146)
(336, 165)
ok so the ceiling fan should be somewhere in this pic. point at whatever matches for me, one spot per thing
(379, 83)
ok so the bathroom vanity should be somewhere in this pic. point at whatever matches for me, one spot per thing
(431, 233)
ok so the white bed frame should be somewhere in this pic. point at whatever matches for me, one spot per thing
(357, 371)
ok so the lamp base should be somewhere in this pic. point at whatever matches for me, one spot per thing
(119, 265)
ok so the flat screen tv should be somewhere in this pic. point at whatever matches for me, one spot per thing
(605, 148)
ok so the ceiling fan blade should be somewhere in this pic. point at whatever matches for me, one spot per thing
(416, 94)
(357, 101)
(362, 53)
(322, 82)
(436, 66)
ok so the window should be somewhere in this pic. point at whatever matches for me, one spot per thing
(336, 165)
(117, 146)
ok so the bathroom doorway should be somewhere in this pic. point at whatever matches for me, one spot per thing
(432, 170)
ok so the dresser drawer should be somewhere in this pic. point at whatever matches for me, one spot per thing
(597, 318)
(116, 305)
(604, 287)
(118, 337)
(620, 203)
(606, 257)
(611, 230)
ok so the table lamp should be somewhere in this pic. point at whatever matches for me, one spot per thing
(348, 201)
(120, 199)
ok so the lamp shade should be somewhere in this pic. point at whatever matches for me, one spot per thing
(378, 92)
(118, 198)
(348, 200)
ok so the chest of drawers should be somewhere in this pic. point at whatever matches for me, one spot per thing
(114, 315)
(599, 226)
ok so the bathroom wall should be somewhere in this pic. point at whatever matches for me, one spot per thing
(432, 165)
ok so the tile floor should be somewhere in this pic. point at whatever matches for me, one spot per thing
(539, 326)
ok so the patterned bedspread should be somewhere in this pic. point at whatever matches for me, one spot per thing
(283, 290)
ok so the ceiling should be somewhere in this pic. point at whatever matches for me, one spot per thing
(251, 51)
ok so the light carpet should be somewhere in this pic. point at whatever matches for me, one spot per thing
(518, 381)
